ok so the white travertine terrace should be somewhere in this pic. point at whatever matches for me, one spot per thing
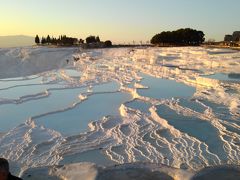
(135, 135)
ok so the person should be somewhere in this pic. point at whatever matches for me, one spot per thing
(4, 171)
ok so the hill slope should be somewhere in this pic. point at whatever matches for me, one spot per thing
(16, 41)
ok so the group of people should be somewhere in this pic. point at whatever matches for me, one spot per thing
(5, 172)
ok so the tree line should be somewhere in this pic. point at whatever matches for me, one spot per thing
(70, 41)
(180, 37)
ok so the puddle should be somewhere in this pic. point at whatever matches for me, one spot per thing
(221, 51)
(164, 88)
(222, 112)
(20, 78)
(72, 73)
(20, 82)
(12, 115)
(17, 92)
(106, 87)
(140, 105)
(76, 120)
(195, 127)
(94, 156)
(224, 77)
(192, 104)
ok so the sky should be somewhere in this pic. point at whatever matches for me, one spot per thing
(121, 21)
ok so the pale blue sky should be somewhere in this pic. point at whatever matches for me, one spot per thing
(118, 20)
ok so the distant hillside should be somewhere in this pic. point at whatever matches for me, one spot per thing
(16, 41)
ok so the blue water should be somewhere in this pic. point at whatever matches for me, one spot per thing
(12, 115)
(222, 112)
(16, 92)
(20, 78)
(94, 108)
(107, 87)
(7, 83)
(94, 156)
(224, 77)
(140, 105)
(164, 88)
(192, 104)
(193, 126)
(223, 51)
(72, 72)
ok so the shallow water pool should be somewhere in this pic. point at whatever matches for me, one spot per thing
(224, 77)
(76, 120)
(201, 129)
(12, 115)
(164, 88)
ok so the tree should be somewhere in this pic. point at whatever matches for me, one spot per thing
(91, 39)
(64, 40)
(181, 37)
(43, 41)
(108, 43)
(48, 39)
(97, 39)
(37, 40)
(81, 41)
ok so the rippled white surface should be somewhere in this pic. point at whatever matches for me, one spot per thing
(119, 105)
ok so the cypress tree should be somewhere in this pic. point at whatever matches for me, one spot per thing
(37, 40)
(97, 39)
(48, 39)
(43, 41)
